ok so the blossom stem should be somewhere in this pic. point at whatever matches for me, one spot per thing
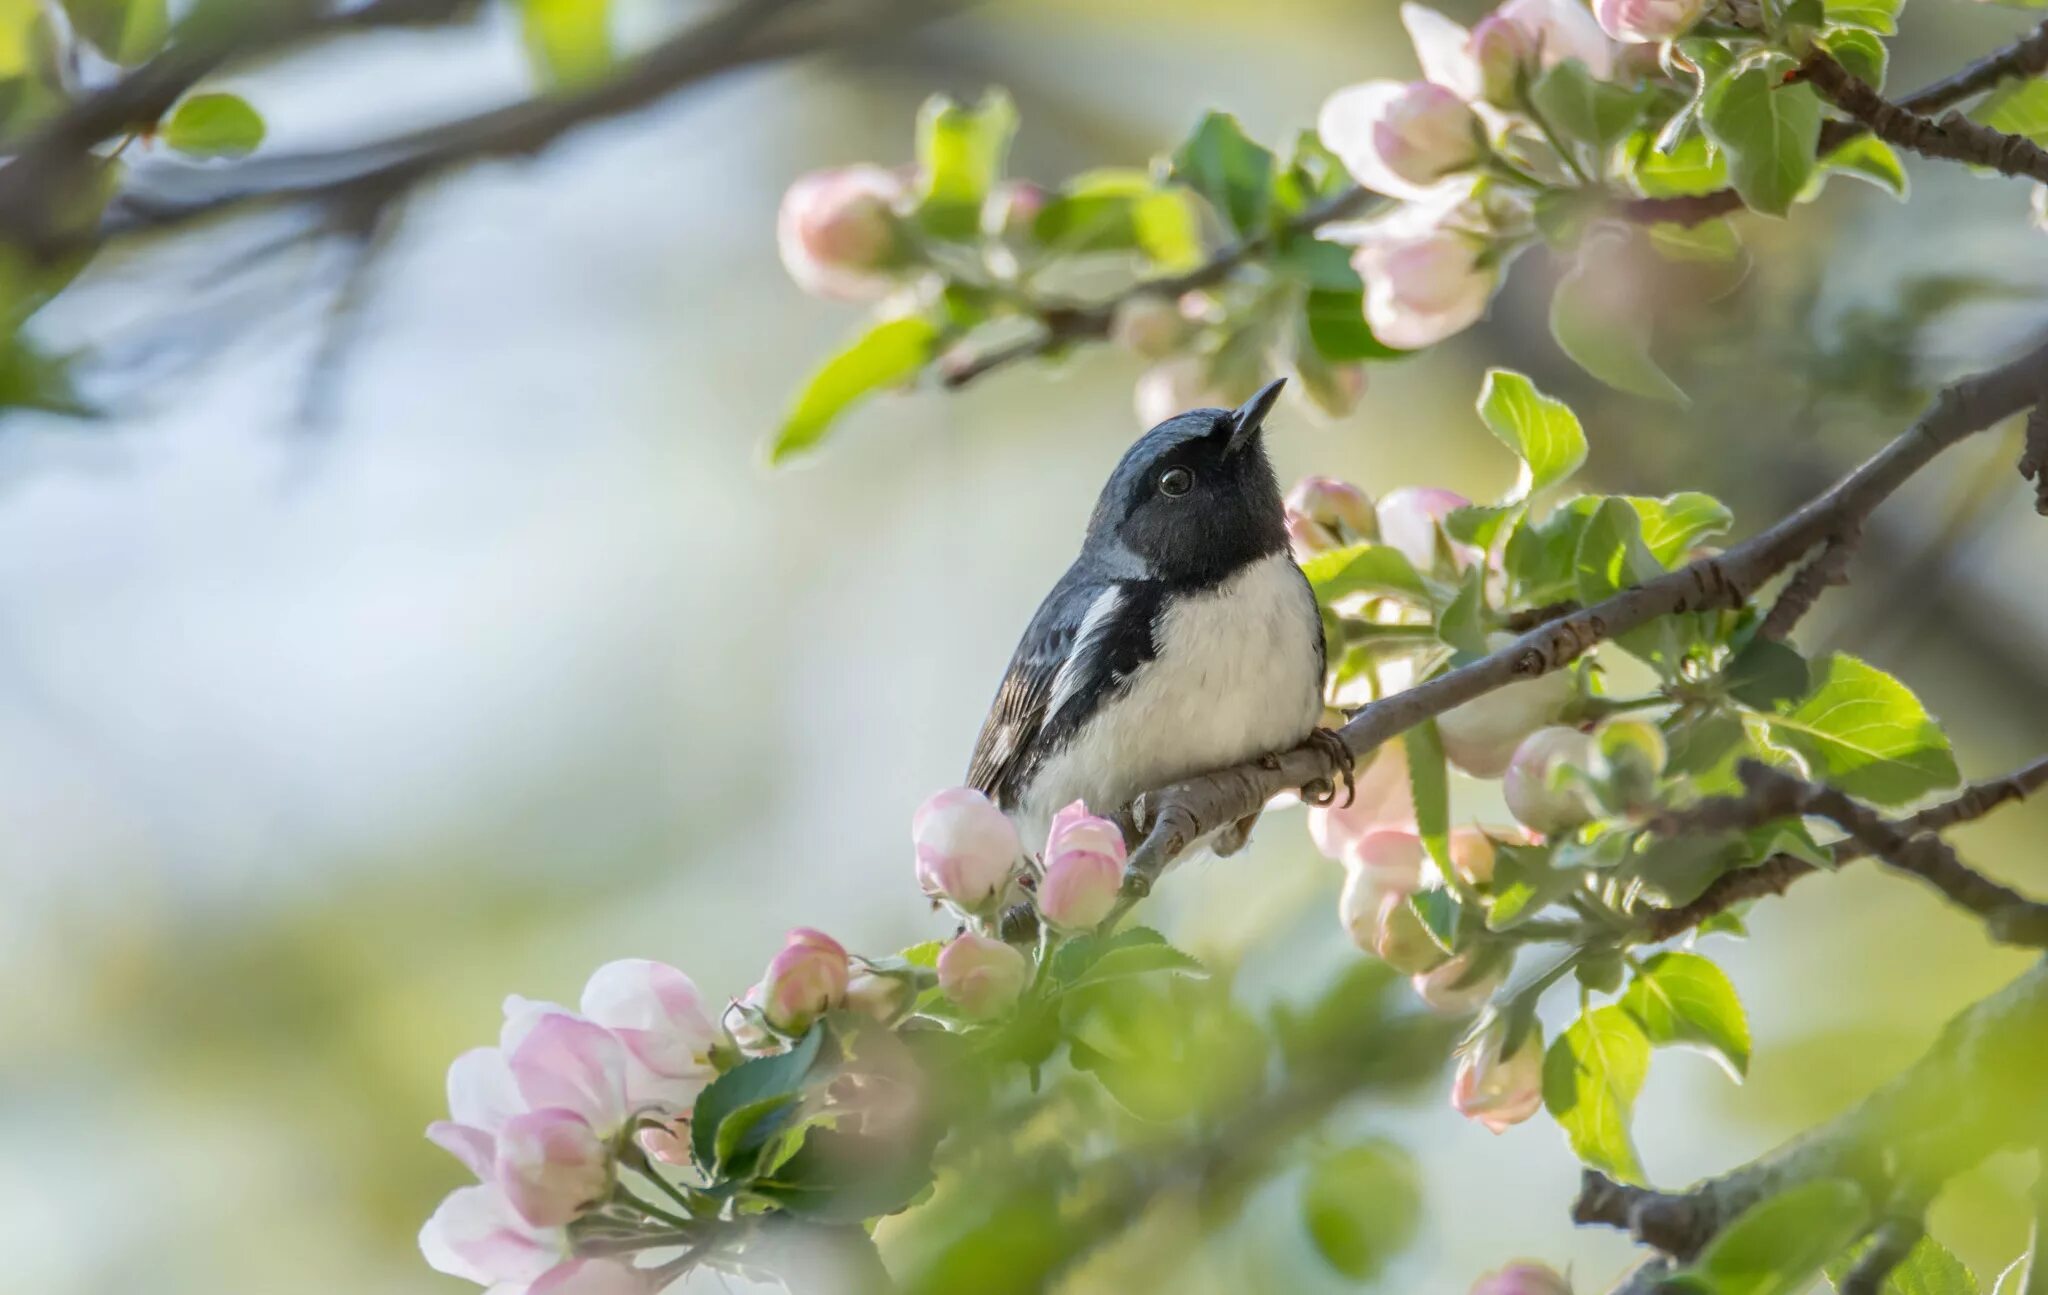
(633, 1201)
(1552, 138)
(635, 1158)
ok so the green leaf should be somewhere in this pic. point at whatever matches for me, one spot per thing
(1591, 1077)
(1927, 1269)
(1676, 524)
(1429, 784)
(1880, 16)
(1363, 568)
(1769, 131)
(1865, 732)
(2018, 107)
(744, 1132)
(568, 41)
(1766, 674)
(1860, 52)
(1542, 430)
(1229, 169)
(1870, 159)
(750, 1083)
(1709, 242)
(125, 31)
(1120, 210)
(1336, 324)
(1683, 998)
(1777, 1246)
(890, 353)
(214, 125)
(1073, 959)
(1167, 230)
(1362, 1205)
(1584, 108)
(1611, 555)
(960, 154)
(1604, 340)
(1524, 884)
(1137, 960)
(1690, 167)
(2012, 1279)
(1480, 524)
(1462, 623)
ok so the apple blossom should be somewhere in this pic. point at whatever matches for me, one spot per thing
(1409, 519)
(1523, 1279)
(966, 849)
(1382, 923)
(1401, 139)
(1324, 513)
(551, 1165)
(1481, 735)
(668, 1141)
(482, 1096)
(1463, 984)
(1472, 855)
(1084, 869)
(807, 979)
(1390, 860)
(1562, 30)
(657, 1013)
(1503, 52)
(1647, 21)
(476, 1235)
(1535, 788)
(1382, 798)
(839, 233)
(981, 975)
(1499, 1089)
(564, 1061)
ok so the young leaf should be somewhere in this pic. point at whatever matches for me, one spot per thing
(1362, 1205)
(1777, 1246)
(1591, 1077)
(1611, 555)
(1683, 998)
(1766, 674)
(1870, 159)
(1336, 324)
(890, 353)
(1524, 884)
(2018, 107)
(749, 1084)
(1691, 166)
(1865, 732)
(1604, 340)
(1429, 784)
(1860, 52)
(1362, 568)
(214, 125)
(1585, 109)
(1224, 165)
(1540, 429)
(961, 152)
(1769, 131)
(1675, 524)
(569, 41)
(1880, 16)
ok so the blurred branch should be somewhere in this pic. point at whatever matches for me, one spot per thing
(1955, 137)
(1977, 1091)
(1174, 817)
(1059, 324)
(1776, 874)
(1889, 1245)
(2025, 57)
(2034, 458)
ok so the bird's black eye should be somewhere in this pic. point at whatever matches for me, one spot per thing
(1175, 482)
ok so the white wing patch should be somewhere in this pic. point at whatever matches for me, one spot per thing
(1087, 641)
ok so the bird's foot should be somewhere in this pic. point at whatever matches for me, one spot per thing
(1330, 744)
(1229, 840)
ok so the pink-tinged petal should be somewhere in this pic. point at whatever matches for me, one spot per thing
(1076, 830)
(565, 1061)
(551, 1166)
(1383, 799)
(476, 1235)
(657, 1013)
(476, 1148)
(592, 1277)
(481, 1090)
(1443, 48)
(521, 1015)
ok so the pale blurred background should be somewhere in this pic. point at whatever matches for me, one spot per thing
(335, 705)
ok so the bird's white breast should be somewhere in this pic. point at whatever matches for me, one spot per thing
(1233, 677)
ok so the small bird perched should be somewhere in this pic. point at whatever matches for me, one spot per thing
(1183, 639)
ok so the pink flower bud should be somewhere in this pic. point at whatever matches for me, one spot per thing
(837, 231)
(668, 1142)
(1084, 869)
(745, 1023)
(551, 1166)
(1464, 984)
(966, 849)
(1563, 30)
(1481, 736)
(1391, 861)
(1011, 208)
(1496, 1090)
(1333, 510)
(880, 996)
(980, 975)
(1523, 1279)
(1383, 800)
(1472, 854)
(1401, 139)
(1538, 795)
(1381, 922)
(804, 981)
(1503, 52)
(1647, 21)
(1149, 326)
(1408, 520)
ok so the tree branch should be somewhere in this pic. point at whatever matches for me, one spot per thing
(1175, 817)
(1954, 137)
(1828, 569)
(1775, 874)
(2034, 458)
(1894, 1239)
(2025, 57)
(1062, 323)
(1958, 1104)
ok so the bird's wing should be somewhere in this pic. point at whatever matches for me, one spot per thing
(1055, 678)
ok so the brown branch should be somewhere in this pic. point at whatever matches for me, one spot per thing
(1775, 874)
(1954, 137)
(1827, 569)
(2025, 57)
(1175, 817)
(2010, 916)
(1521, 622)
(2034, 458)
(1062, 323)
(1889, 1246)
(1944, 1114)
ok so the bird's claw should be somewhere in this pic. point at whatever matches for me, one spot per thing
(1322, 792)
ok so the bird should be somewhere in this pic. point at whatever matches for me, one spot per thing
(1183, 639)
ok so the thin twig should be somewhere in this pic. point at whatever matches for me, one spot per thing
(1954, 137)
(1828, 569)
(1889, 1246)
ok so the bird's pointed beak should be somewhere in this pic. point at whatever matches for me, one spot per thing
(1251, 416)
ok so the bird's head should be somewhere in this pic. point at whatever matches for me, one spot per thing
(1194, 500)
